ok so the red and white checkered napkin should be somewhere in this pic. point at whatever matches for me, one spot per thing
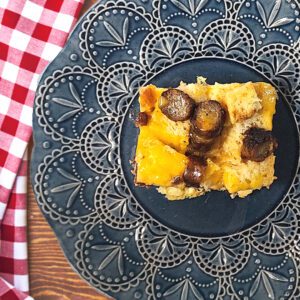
(32, 32)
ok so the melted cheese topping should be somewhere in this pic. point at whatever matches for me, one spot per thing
(157, 163)
(268, 96)
(173, 134)
(162, 142)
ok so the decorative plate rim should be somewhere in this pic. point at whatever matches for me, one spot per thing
(67, 143)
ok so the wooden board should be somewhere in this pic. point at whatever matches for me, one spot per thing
(51, 276)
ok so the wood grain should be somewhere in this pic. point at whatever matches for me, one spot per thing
(51, 276)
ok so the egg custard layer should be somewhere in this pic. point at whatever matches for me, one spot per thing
(162, 154)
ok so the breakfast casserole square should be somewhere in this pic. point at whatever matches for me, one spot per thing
(199, 137)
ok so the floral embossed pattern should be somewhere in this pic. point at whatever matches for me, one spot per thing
(80, 116)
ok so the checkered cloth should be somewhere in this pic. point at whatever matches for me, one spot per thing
(32, 32)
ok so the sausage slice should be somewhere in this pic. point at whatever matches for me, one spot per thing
(194, 171)
(198, 145)
(197, 139)
(196, 150)
(142, 119)
(208, 119)
(258, 144)
(176, 105)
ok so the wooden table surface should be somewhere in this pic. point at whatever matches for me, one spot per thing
(51, 277)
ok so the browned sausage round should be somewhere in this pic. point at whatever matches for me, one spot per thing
(258, 144)
(176, 105)
(141, 119)
(208, 119)
(194, 171)
(197, 139)
(196, 150)
(198, 145)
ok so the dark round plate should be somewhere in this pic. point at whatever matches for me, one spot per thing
(215, 214)
(128, 241)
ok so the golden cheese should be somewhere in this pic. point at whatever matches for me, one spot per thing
(268, 96)
(148, 97)
(157, 163)
(162, 142)
(174, 134)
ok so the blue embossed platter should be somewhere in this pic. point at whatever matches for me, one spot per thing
(129, 242)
